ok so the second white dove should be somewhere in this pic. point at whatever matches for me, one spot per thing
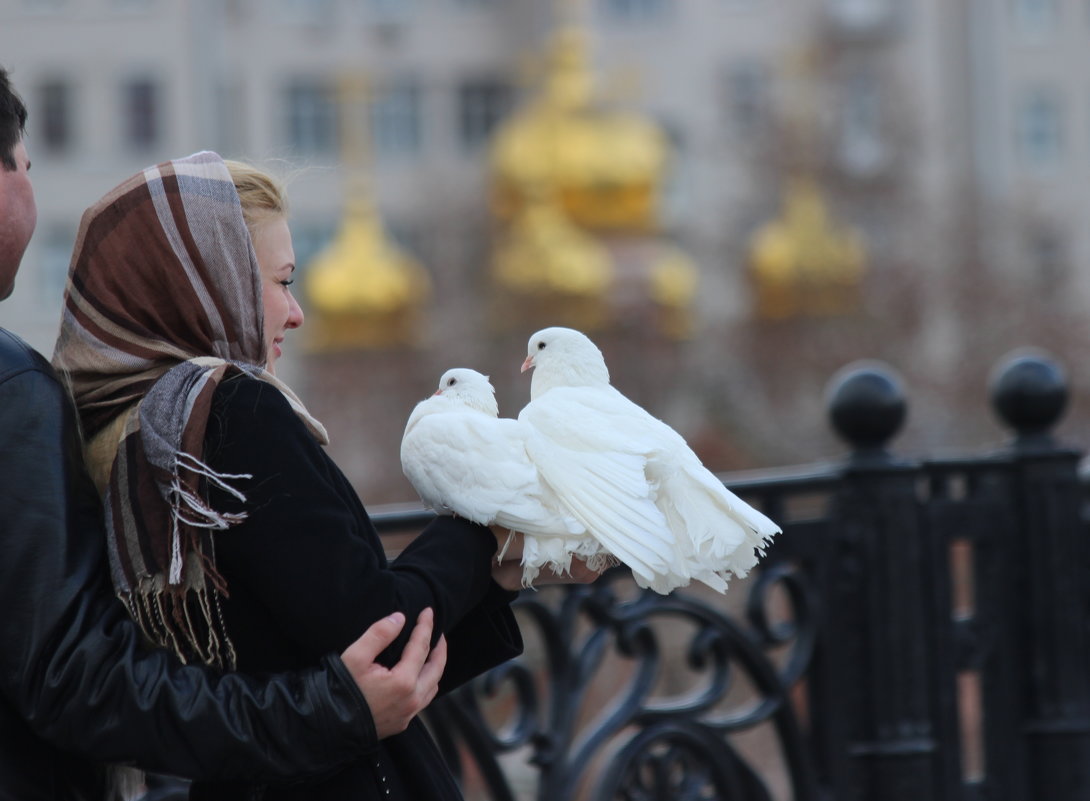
(629, 478)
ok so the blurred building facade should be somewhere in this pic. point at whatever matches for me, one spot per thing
(936, 152)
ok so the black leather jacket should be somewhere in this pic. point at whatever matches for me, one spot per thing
(76, 689)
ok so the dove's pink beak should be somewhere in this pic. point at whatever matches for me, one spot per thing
(526, 365)
(437, 392)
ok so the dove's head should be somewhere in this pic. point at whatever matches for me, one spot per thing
(563, 357)
(470, 388)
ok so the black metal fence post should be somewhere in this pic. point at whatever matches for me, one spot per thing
(1050, 601)
(884, 652)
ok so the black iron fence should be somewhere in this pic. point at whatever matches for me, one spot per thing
(917, 633)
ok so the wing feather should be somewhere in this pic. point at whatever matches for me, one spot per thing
(604, 489)
(596, 439)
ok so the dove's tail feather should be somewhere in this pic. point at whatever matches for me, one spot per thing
(664, 583)
(716, 580)
(761, 526)
(556, 554)
(719, 534)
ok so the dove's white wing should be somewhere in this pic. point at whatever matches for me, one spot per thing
(720, 531)
(462, 461)
(588, 454)
(675, 469)
(714, 532)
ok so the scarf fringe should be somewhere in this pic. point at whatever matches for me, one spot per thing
(187, 507)
(189, 624)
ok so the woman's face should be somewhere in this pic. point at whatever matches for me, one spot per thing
(276, 258)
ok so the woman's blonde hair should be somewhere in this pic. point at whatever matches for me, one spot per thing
(262, 195)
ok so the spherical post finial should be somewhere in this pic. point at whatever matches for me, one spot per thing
(1029, 394)
(867, 406)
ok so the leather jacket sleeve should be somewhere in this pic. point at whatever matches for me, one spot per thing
(71, 662)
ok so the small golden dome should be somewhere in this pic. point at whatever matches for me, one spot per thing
(545, 263)
(363, 290)
(605, 166)
(673, 283)
(803, 263)
(674, 278)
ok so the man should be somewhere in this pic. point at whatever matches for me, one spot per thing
(76, 689)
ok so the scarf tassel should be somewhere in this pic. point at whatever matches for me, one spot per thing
(188, 508)
(187, 624)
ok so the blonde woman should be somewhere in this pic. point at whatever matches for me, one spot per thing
(234, 537)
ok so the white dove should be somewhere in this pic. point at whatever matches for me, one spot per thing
(629, 478)
(463, 459)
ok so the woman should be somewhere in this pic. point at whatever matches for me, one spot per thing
(234, 538)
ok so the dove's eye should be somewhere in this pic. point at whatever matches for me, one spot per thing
(541, 346)
(451, 382)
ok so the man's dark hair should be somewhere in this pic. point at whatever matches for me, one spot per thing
(12, 121)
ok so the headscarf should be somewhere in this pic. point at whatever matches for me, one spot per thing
(163, 302)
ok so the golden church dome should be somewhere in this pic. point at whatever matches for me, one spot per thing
(605, 166)
(803, 263)
(365, 292)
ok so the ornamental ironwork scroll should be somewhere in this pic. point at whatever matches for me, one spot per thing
(627, 694)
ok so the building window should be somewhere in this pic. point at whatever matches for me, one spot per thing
(1039, 128)
(230, 122)
(313, 12)
(747, 99)
(395, 121)
(309, 238)
(634, 10)
(408, 236)
(133, 5)
(44, 6)
(389, 10)
(861, 146)
(1047, 253)
(55, 116)
(58, 241)
(311, 118)
(142, 114)
(1035, 16)
(481, 106)
(860, 13)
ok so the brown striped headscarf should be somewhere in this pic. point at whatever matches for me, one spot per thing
(163, 302)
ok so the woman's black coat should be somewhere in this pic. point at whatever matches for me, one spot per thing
(306, 574)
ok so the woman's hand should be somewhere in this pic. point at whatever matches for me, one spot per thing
(396, 695)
